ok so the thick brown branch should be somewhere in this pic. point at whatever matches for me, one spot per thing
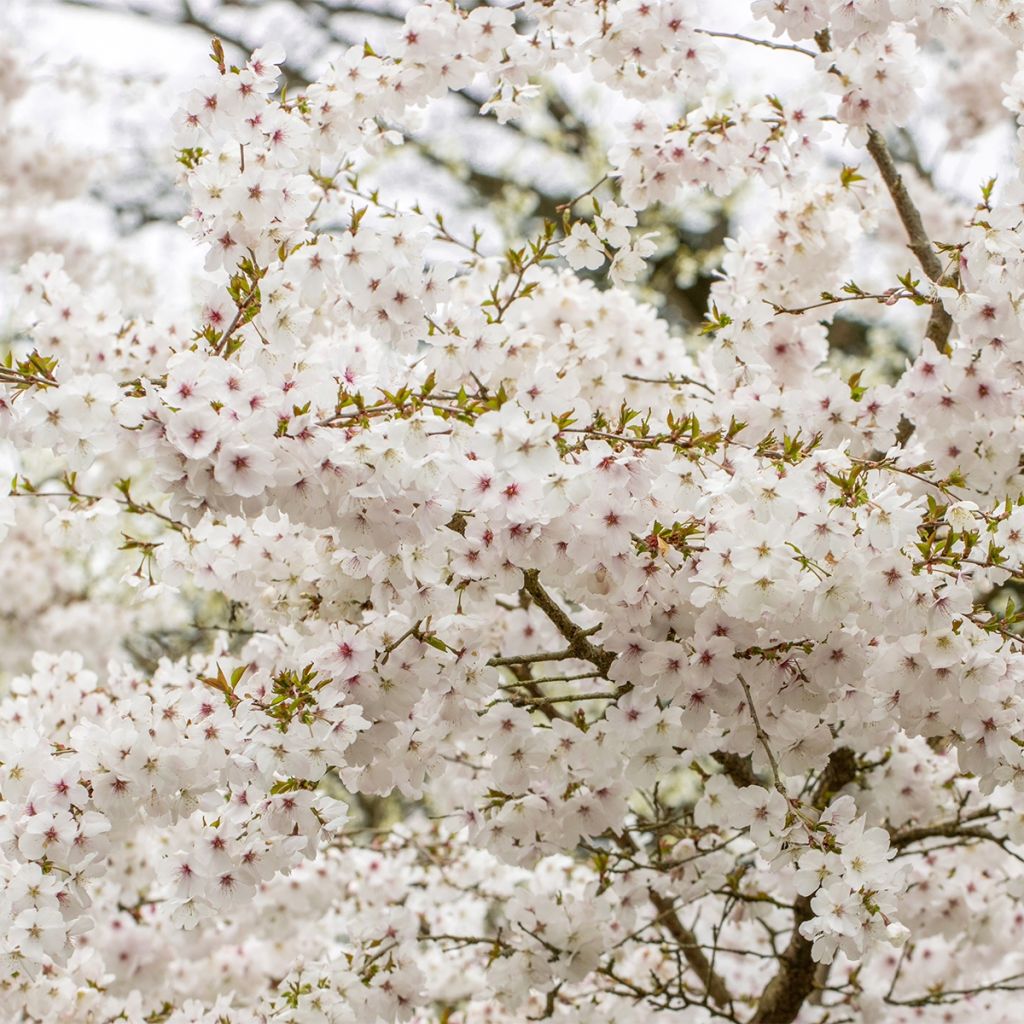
(511, 660)
(695, 957)
(957, 829)
(577, 637)
(841, 769)
(939, 323)
(959, 826)
(738, 768)
(692, 952)
(946, 830)
(784, 995)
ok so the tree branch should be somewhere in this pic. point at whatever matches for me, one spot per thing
(939, 323)
(783, 996)
(694, 955)
(738, 768)
(579, 645)
(944, 829)
(712, 981)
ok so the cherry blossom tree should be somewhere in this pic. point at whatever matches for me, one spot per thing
(432, 624)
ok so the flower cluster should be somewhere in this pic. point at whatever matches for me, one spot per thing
(512, 651)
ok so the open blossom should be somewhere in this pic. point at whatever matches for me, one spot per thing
(761, 811)
(582, 248)
(613, 222)
(630, 260)
(243, 469)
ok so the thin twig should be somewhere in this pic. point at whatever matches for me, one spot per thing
(770, 44)
(762, 737)
(671, 379)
